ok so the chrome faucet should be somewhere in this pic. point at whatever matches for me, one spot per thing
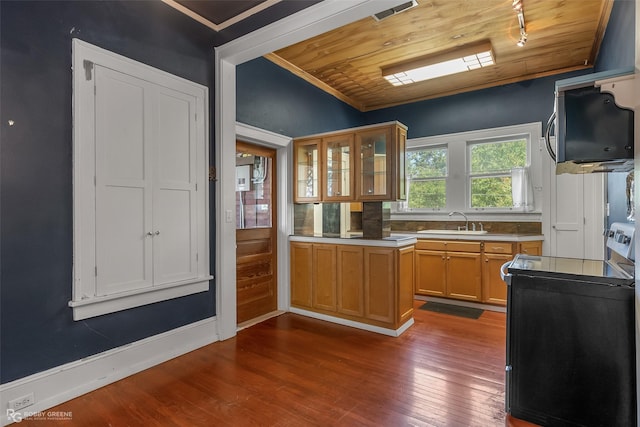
(466, 225)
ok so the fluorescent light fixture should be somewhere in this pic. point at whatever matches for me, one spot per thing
(465, 58)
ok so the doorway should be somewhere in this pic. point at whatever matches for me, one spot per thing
(256, 232)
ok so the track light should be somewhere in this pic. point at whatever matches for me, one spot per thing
(517, 7)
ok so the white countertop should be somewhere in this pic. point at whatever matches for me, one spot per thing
(395, 241)
(407, 238)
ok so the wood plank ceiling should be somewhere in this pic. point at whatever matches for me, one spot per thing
(346, 62)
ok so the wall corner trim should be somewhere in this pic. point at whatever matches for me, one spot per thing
(68, 381)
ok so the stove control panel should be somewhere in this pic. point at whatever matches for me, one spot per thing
(620, 239)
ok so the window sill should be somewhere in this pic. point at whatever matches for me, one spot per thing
(96, 306)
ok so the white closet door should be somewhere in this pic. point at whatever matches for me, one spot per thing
(123, 184)
(174, 212)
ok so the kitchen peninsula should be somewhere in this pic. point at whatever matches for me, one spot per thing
(364, 283)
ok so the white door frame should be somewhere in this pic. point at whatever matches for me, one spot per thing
(317, 19)
(283, 203)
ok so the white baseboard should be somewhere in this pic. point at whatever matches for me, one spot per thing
(354, 324)
(68, 381)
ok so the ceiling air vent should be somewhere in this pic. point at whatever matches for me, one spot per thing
(395, 10)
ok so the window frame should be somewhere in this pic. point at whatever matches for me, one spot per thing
(438, 178)
(470, 175)
(458, 167)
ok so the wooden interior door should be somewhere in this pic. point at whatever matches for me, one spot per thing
(256, 251)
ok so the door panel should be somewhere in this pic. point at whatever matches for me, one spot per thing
(568, 227)
(174, 222)
(123, 184)
(256, 252)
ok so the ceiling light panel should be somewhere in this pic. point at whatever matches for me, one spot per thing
(435, 66)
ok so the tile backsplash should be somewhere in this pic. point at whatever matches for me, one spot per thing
(496, 227)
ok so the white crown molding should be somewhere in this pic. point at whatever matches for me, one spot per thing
(229, 22)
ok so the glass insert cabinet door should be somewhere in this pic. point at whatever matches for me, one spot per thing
(374, 150)
(338, 176)
(307, 171)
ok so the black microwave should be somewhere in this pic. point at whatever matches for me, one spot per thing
(593, 133)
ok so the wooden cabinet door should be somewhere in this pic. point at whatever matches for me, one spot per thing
(430, 273)
(464, 275)
(400, 175)
(374, 164)
(338, 177)
(379, 279)
(530, 248)
(495, 289)
(406, 276)
(350, 280)
(307, 171)
(301, 274)
(324, 277)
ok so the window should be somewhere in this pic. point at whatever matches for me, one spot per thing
(426, 177)
(490, 166)
(488, 172)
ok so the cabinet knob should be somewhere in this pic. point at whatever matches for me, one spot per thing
(150, 233)
(157, 232)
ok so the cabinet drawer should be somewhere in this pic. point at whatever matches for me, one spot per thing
(432, 245)
(498, 247)
(464, 246)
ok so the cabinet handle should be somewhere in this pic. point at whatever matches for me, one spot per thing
(448, 257)
(442, 257)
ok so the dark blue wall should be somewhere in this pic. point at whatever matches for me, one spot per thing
(271, 98)
(618, 45)
(37, 330)
(524, 102)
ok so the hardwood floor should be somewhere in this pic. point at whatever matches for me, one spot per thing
(296, 371)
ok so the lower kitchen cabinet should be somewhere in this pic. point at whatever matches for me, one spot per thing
(449, 269)
(324, 277)
(466, 270)
(301, 274)
(464, 276)
(350, 283)
(495, 289)
(368, 284)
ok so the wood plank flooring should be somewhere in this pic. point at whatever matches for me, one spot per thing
(296, 371)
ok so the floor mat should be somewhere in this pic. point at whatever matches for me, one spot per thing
(454, 310)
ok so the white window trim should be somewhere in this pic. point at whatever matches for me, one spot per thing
(84, 301)
(457, 173)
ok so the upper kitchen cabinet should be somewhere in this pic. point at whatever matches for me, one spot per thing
(307, 170)
(338, 182)
(380, 167)
(358, 164)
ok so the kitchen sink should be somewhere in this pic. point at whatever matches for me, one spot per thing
(452, 231)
